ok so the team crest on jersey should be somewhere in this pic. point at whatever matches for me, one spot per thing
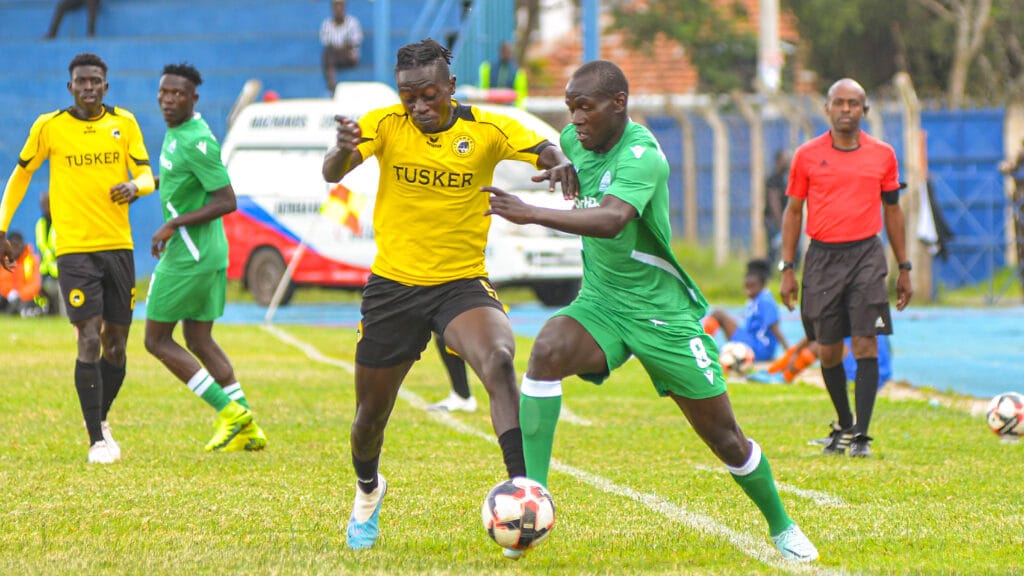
(463, 146)
(606, 181)
(116, 134)
(172, 146)
(76, 298)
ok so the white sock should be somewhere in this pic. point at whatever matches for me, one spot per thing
(541, 388)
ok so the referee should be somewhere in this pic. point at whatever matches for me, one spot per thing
(844, 176)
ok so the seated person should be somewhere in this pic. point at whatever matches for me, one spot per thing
(759, 325)
(341, 37)
(802, 354)
(20, 286)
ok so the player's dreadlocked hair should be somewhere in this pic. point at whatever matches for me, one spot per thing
(610, 78)
(87, 59)
(423, 53)
(185, 70)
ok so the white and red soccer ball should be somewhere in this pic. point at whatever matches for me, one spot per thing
(518, 513)
(1005, 415)
(736, 357)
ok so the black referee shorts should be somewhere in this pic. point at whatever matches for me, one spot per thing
(844, 291)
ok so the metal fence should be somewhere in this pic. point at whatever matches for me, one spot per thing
(720, 149)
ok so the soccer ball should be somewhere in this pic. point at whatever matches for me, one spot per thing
(518, 513)
(1005, 414)
(736, 357)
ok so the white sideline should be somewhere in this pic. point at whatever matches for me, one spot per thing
(755, 547)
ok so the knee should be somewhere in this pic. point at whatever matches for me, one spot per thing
(154, 344)
(729, 444)
(88, 345)
(196, 346)
(543, 358)
(499, 360)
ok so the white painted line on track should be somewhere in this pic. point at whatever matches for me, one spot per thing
(308, 349)
(818, 497)
(754, 546)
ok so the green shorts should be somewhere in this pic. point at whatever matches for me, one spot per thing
(173, 297)
(674, 350)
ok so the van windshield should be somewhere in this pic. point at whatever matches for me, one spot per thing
(248, 169)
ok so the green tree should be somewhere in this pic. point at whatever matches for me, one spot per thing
(724, 52)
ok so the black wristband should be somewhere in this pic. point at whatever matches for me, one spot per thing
(906, 266)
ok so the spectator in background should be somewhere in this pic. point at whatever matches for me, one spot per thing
(759, 325)
(341, 36)
(65, 5)
(19, 286)
(775, 202)
(785, 368)
(49, 299)
(503, 73)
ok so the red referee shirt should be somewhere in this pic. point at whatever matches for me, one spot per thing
(843, 188)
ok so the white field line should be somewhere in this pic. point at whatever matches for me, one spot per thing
(755, 547)
(819, 498)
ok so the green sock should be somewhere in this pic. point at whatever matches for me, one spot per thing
(203, 385)
(235, 392)
(755, 477)
(539, 405)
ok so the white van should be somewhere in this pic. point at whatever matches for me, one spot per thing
(274, 152)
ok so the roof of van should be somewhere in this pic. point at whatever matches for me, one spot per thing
(310, 121)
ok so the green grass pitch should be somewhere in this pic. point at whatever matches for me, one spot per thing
(636, 491)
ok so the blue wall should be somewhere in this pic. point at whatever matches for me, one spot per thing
(229, 41)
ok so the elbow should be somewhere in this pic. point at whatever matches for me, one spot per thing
(611, 228)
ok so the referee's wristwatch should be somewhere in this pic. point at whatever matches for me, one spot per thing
(784, 265)
(906, 266)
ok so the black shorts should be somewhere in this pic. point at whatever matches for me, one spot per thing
(398, 319)
(95, 283)
(844, 291)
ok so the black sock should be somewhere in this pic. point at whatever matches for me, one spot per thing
(90, 397)
(456, 368)
(835, 383)
(112, 378)
(366, 473)
(511, 443)
(865, 391)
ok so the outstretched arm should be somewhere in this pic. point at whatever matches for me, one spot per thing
(559, 170)
(605, 221)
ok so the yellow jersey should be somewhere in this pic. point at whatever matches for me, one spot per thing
(428, 219)
(87, 158)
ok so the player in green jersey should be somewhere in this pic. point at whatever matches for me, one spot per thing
(189, 282)
(636, 299)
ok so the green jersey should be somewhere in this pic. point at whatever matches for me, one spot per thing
(190, 168)
(634, 273)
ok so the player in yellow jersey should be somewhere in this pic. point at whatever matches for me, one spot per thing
(429, 273)
(98, 166)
